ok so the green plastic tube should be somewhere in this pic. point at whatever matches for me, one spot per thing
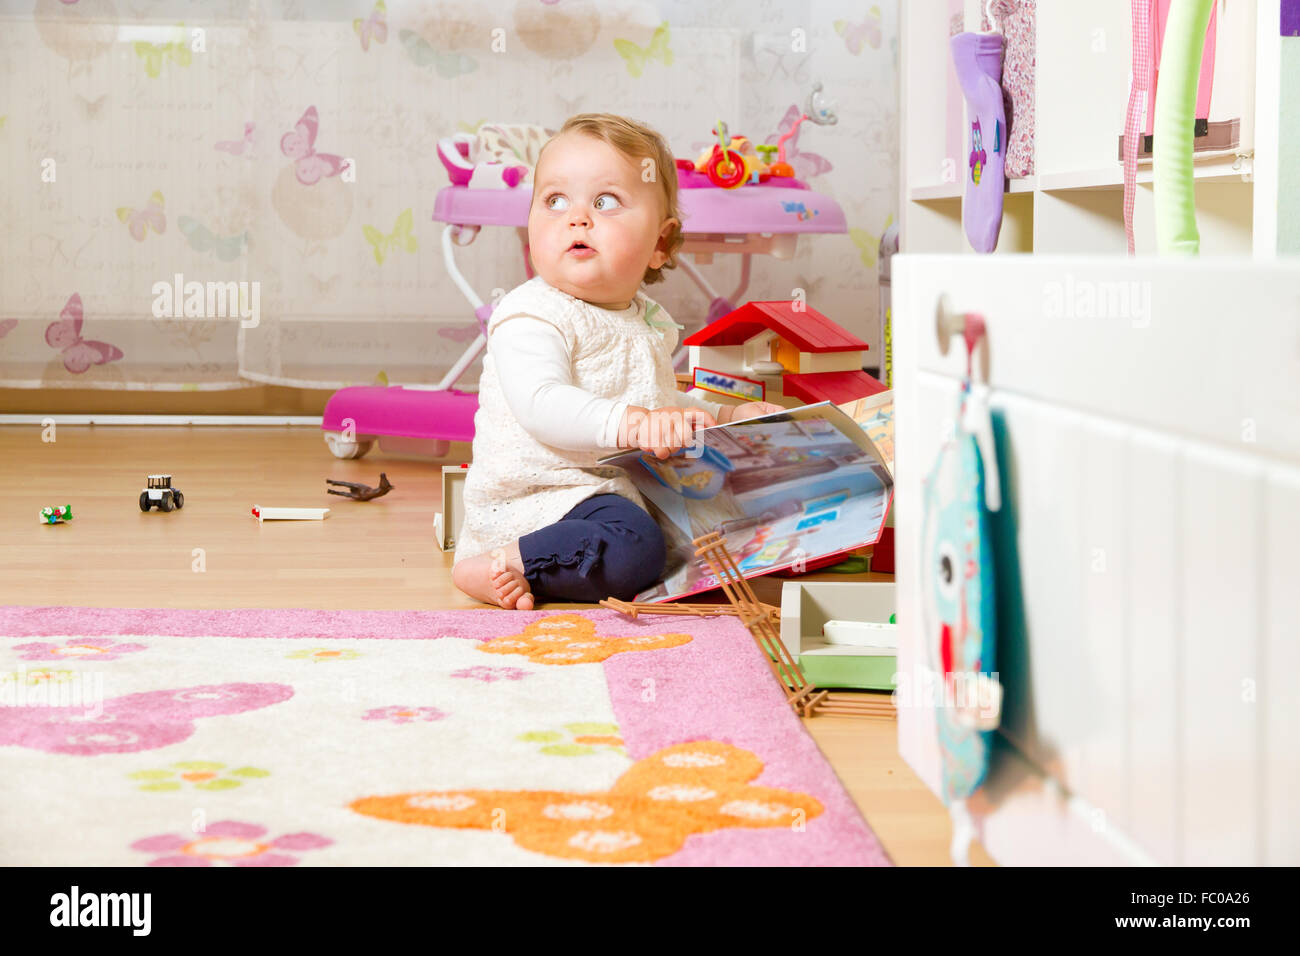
(1174, 126)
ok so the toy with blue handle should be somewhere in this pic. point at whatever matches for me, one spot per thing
(960, 619)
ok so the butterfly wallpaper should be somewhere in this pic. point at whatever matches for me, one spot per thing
(293, 143)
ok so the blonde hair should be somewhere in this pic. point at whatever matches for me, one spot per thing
(638, 143)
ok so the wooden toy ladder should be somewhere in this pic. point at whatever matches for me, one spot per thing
(763, 622)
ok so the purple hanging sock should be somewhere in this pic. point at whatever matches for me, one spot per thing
(978, 61)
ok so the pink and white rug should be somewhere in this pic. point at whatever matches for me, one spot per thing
(278, 738)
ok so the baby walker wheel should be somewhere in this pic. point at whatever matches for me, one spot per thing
(726, 168)
(340, 448)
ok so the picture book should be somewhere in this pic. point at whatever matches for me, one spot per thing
(783, 490)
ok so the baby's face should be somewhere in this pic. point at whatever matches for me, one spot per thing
(594, 226)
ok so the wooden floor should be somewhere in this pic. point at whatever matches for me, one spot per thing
(372, 555)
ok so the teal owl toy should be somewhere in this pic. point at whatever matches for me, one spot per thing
(960, 622)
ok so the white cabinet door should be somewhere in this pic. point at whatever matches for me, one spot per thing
(1152, 422)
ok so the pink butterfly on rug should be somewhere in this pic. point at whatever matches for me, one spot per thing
(805, 164)
(134, 722)
(373, 26)
(65, 336)
(138, 221)
(236, 147)
(300, 146)
(7, 326)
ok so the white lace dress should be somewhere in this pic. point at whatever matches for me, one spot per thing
(516, 484)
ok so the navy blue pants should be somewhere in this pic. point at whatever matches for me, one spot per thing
(605, 547)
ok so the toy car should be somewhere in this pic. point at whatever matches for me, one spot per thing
(161, 493)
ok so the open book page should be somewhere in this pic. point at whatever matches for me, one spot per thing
(875, 416)
(782, 489)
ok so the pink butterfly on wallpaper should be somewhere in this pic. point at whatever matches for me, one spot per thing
(7, 326)
(300, 146)
(373, 26)
(855, 33)
(459, 333)
(236, 147)
(805, 164)
(78, 353)
(138, 221)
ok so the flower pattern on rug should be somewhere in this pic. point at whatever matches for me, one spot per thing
(78, 648)
(229, 843)
(572, 639)
(490, 674)
(134, 722)
(323, 655)
(400, 714)
(200, 774)
(648, 813)
(577, 740)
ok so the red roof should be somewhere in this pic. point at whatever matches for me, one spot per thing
(808, 328)
(837, 387)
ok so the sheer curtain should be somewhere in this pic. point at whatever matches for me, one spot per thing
(144, 141)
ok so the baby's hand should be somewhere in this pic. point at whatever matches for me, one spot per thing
(661, 431)
(750, 410)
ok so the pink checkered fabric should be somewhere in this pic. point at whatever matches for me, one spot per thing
(1140, 82)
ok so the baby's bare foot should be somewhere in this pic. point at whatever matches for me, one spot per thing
(509, 583)
(474, 577)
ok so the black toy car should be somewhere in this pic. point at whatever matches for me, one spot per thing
(161, 493)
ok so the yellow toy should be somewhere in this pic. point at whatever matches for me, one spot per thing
(733, 162)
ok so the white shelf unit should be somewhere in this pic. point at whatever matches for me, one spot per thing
(1074, 201)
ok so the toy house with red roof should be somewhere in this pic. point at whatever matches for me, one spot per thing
(781, 352)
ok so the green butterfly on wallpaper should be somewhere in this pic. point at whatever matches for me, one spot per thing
(869, 244)
(636, 57)
(660, 324)
(471, 128)
(203, 239)
(401, 237)
(153, 54)
(858, 35)
(423, 54)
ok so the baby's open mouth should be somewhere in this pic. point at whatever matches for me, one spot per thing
(579, 245)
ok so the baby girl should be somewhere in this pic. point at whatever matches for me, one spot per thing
(579, 366)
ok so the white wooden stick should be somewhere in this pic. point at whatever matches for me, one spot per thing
(291, 514)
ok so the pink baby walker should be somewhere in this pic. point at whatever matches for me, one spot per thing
(763, 218)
